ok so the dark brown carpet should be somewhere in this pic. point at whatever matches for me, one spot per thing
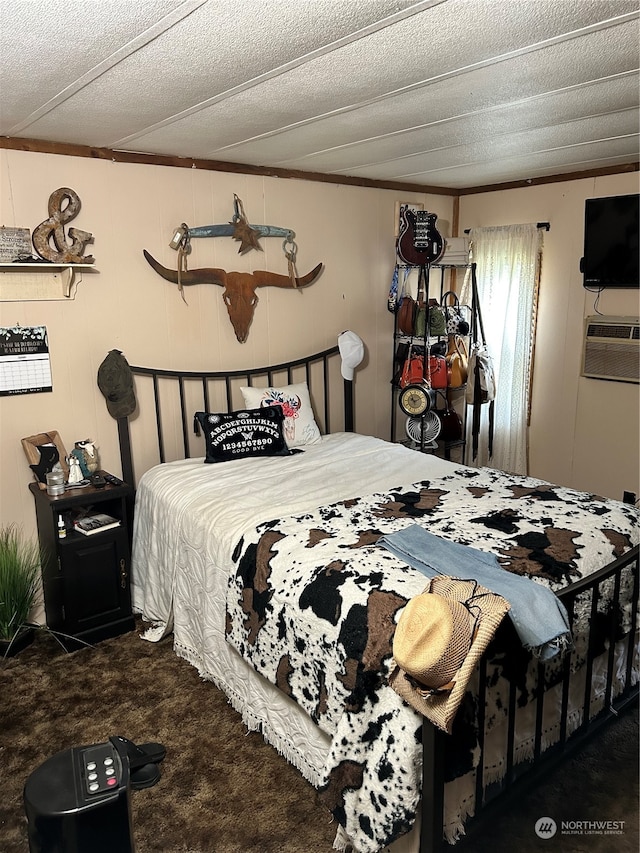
(226, 791)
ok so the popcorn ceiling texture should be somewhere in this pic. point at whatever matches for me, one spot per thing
(454, 94)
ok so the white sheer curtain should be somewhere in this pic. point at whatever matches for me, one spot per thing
(507, 260)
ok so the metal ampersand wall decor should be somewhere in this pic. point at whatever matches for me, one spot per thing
(64, 206)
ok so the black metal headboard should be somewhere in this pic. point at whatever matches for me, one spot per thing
(319, 371)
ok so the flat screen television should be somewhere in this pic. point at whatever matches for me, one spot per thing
(611, 249)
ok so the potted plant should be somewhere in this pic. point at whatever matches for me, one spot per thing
(19, 588)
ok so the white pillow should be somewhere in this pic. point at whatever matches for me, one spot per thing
(300, 427)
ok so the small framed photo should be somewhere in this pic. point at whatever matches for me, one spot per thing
(31, 446)
(414, 205)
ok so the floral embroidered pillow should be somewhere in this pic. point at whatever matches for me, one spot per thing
(300, 427)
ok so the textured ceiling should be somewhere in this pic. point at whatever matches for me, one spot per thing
(447, 93)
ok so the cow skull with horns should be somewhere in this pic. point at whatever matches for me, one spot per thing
(239, 288)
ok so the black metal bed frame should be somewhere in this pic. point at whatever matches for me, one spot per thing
(209, 380)
(521, 777)
(518, 777)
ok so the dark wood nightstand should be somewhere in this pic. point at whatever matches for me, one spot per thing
(86, 579)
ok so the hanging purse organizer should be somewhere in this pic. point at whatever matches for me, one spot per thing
(427, 353)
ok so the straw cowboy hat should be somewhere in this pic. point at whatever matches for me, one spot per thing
(440, 637)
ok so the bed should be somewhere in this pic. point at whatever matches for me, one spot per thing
(316, 684)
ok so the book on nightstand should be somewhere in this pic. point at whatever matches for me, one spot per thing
(91, 524)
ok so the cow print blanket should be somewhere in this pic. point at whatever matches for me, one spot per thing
(314, 602)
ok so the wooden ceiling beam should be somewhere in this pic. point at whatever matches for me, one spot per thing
(68, 149)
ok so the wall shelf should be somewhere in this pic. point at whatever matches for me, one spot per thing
(37, 282)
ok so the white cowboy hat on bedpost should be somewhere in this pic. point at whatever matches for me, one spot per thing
(440, 637)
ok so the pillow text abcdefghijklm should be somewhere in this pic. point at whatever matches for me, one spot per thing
(243, 434)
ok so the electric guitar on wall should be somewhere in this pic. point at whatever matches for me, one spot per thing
(419, 242)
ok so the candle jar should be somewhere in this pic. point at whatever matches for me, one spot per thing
(55, 483)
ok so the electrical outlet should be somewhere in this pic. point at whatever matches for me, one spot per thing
(629, 497)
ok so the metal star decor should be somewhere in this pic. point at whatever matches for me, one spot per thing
(247, 236)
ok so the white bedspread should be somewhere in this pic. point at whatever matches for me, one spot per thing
(211, 505)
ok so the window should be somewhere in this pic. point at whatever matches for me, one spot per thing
(508, 264)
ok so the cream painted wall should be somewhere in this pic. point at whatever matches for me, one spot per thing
(129, 307)
(584, 432)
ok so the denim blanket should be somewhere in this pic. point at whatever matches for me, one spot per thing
(539, 617)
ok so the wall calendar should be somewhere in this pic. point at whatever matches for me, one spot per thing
(25, 366)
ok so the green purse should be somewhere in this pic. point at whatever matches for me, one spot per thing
(420, 323)
(437, 321)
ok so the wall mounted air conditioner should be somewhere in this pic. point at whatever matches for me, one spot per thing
(611, 348)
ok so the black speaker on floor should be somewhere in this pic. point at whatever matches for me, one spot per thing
(78, 801)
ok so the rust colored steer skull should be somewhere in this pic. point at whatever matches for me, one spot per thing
(239, 288)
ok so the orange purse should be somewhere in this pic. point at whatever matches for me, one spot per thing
(437, 377)
(413, 371)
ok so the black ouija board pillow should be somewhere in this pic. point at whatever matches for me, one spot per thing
(239, 435)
